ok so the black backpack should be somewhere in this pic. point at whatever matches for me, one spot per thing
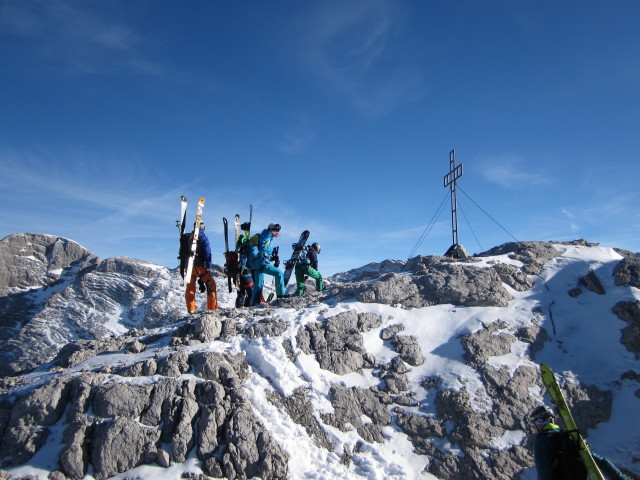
(566, 462)
(185, 248)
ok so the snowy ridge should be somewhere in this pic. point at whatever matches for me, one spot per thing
(440, 388)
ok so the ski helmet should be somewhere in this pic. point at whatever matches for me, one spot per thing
(274, 226)
(316, 247)
(541, 415)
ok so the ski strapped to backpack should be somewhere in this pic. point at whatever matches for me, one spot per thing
(180, 223)
(295, 256)
(194, 242)
(233, 264)
(550, 382)
(236, 224)
(231, 257)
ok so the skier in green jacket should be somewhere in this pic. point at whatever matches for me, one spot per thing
(307, 266)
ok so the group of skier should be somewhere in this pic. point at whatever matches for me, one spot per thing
(557, 453)
(246, 266)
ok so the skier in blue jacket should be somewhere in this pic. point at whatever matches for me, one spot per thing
(201, 272)
(260, 257)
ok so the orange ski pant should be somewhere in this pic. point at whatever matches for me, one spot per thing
(210, 284)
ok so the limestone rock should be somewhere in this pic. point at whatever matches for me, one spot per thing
(251, 451)
(120, 399)
(630, 313)
(301, 411)
(592, 282)
(337, 342)
(27, 427)
(408, 348)
(627, 272)
(269, 327)
(208, 327)
(351, 405)
(173, 365)
(534, 255)
(485, 343)
(120, 445)
(514, 277)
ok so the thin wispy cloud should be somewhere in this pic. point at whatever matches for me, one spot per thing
(414, 233)
(613, 223)
(298, 134)
(512, 171)
(573, 226)
(83, 176)
(354, 48)
(622, 207)
(76, 39)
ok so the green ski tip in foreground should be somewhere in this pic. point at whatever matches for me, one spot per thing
(550, 382)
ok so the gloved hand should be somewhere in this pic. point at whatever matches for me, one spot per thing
(201, 286)
(275, 258)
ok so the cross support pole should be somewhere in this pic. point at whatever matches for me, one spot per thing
(455, 172)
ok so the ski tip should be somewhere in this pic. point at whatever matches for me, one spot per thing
(183, 198)
(201, 200)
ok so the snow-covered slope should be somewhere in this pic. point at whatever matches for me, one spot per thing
(350, 390)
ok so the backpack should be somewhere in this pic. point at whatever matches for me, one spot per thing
(232, 265)
(243, 245)
(304, 259)
(566, 463)
(253, 240)
(185, 248)
(255, 258)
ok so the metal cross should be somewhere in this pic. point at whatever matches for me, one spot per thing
(450, 178)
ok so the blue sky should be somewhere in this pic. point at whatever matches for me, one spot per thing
(336, 116)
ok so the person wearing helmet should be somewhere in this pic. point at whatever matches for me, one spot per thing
(259, 260)
(306, 267)
(245, 286)
(556, 454)
(201, 269)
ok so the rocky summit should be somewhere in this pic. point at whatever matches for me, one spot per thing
(396, 371)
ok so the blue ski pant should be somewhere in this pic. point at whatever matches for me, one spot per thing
(258, 282)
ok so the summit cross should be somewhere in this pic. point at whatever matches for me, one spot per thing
(455, 172)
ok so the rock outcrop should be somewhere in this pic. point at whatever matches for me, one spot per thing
(115, 425)
(431, 281)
